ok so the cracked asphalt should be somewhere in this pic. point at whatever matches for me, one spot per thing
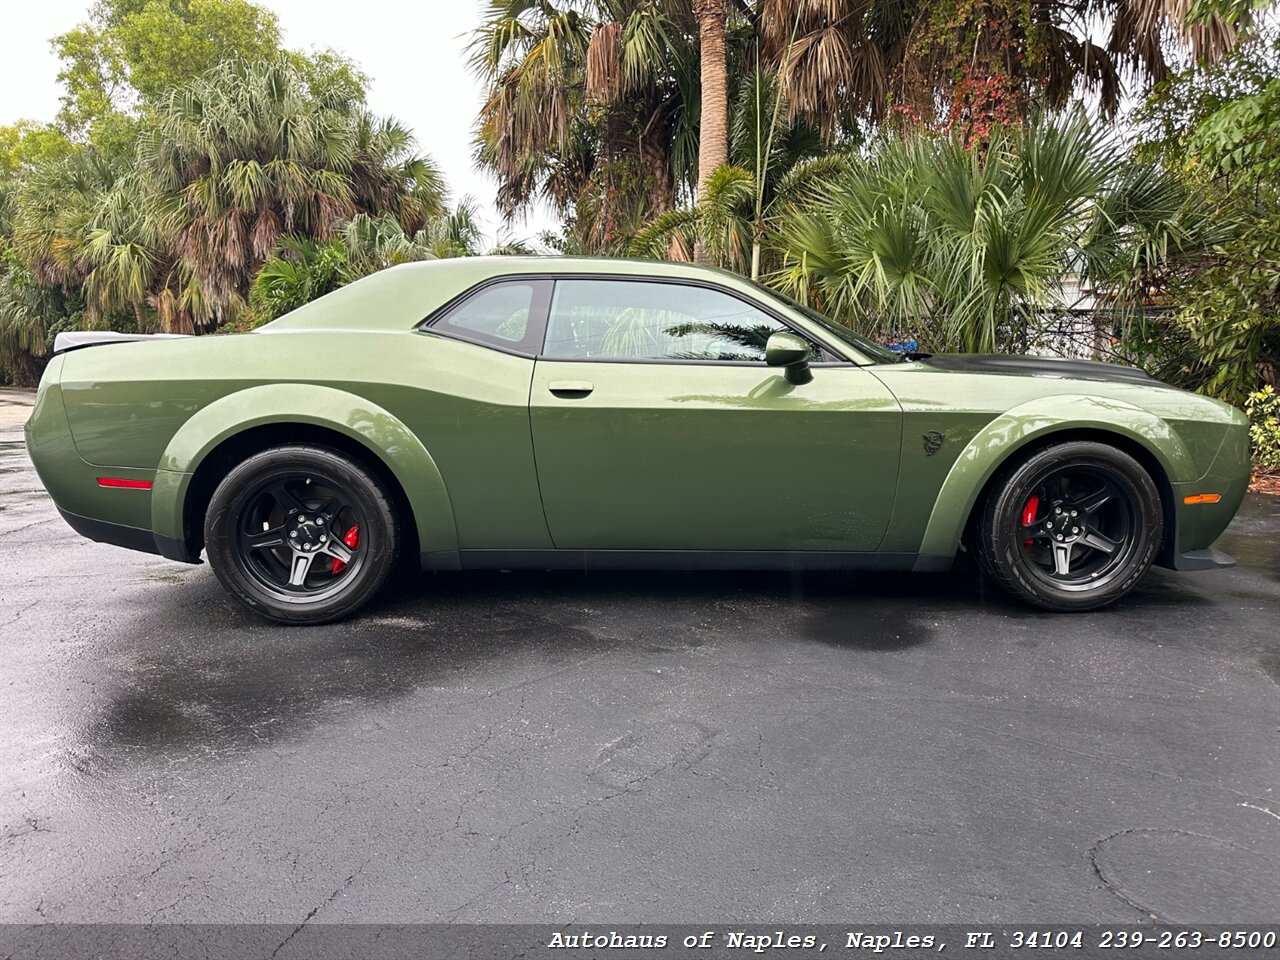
(630, 748)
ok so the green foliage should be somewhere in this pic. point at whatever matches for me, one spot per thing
(167, 42)
(188, 145)
(123, 62)
(966, 249)
(1244, 134)
(31, 314)
(24, 148)
(298, 272)
(300, 269)
(132, 53)
(1180, 103)
(721, 222)
(591, 108)
(1238, 12)
(25, 145)
(1231, 308)
(1230, 304)
(1263, 407)
(233, 161)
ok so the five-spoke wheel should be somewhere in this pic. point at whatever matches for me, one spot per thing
(1072, 527)
(301, 533)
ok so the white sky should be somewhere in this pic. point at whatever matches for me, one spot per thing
(414, 52)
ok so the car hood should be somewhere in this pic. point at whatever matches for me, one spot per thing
(1053, 367)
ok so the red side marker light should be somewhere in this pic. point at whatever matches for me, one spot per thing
(1202, 498)
(124, 483)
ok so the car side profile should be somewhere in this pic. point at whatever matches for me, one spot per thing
(591, 414)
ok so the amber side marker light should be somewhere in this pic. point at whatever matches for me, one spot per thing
(126, 484)
(1202, 498)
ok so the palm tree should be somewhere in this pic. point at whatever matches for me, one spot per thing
(589, 109)
(731, 222)
(772, 161)
(965, 249)
(125, 250)
(302, 269)
(456, 233)
(531, 54)
(717, 230)
(713, 132)
(29, 313)
(54, 208)
(713, 137)
(836, 58)
(246, 154)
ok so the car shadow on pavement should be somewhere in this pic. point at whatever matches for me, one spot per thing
(239, 682)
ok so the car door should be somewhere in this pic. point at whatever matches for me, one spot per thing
(464, 392)
(657, 425)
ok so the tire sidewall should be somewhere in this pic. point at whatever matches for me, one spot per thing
(1002, 524)
(378, 536)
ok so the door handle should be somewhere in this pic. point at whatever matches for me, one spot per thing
(571, 389)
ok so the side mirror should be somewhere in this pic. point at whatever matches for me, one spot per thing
(789, 351)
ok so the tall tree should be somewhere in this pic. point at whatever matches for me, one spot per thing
(131, 52)
(588, 108)
(248, 153)
(713, 135)
(713, 113)
(836, 58)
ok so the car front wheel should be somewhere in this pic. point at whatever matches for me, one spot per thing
(301, 534)
(1074, 526)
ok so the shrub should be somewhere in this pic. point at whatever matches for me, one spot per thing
(1263, 407)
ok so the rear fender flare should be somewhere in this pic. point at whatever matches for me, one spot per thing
(1003, 437)
(380, 432)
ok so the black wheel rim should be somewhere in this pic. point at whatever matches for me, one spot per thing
(300, 537)
(1078, 527)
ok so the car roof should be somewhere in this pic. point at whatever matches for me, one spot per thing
(401, 296)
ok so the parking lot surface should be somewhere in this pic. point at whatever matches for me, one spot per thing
(630, 747)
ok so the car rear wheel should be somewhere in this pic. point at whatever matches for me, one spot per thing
(301, 534)
(1074, 526)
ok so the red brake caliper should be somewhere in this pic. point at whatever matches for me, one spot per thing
(1029, 516)
(352, 539)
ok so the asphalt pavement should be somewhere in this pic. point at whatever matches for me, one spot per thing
(537, 747)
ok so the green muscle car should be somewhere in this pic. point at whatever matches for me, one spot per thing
(576, 413)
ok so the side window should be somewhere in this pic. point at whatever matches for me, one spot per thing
(501, 314)
(637, 320)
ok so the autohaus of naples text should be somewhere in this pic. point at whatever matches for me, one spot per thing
(756, 942)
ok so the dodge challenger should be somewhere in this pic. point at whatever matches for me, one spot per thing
(576, 413)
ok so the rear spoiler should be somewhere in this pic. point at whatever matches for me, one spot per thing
(76, 339)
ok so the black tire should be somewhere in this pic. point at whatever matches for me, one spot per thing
(1095, 525)
(279, 523)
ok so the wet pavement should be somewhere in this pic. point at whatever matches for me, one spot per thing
(660, 748)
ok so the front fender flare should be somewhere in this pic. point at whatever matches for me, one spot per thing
(992, 446)
(380, 432)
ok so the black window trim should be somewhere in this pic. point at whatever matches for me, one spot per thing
(540, 313)
(535, 331)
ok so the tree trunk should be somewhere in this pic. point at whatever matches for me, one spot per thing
(713, 131)
(655, 159)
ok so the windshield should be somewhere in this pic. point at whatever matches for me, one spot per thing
(872, 349)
